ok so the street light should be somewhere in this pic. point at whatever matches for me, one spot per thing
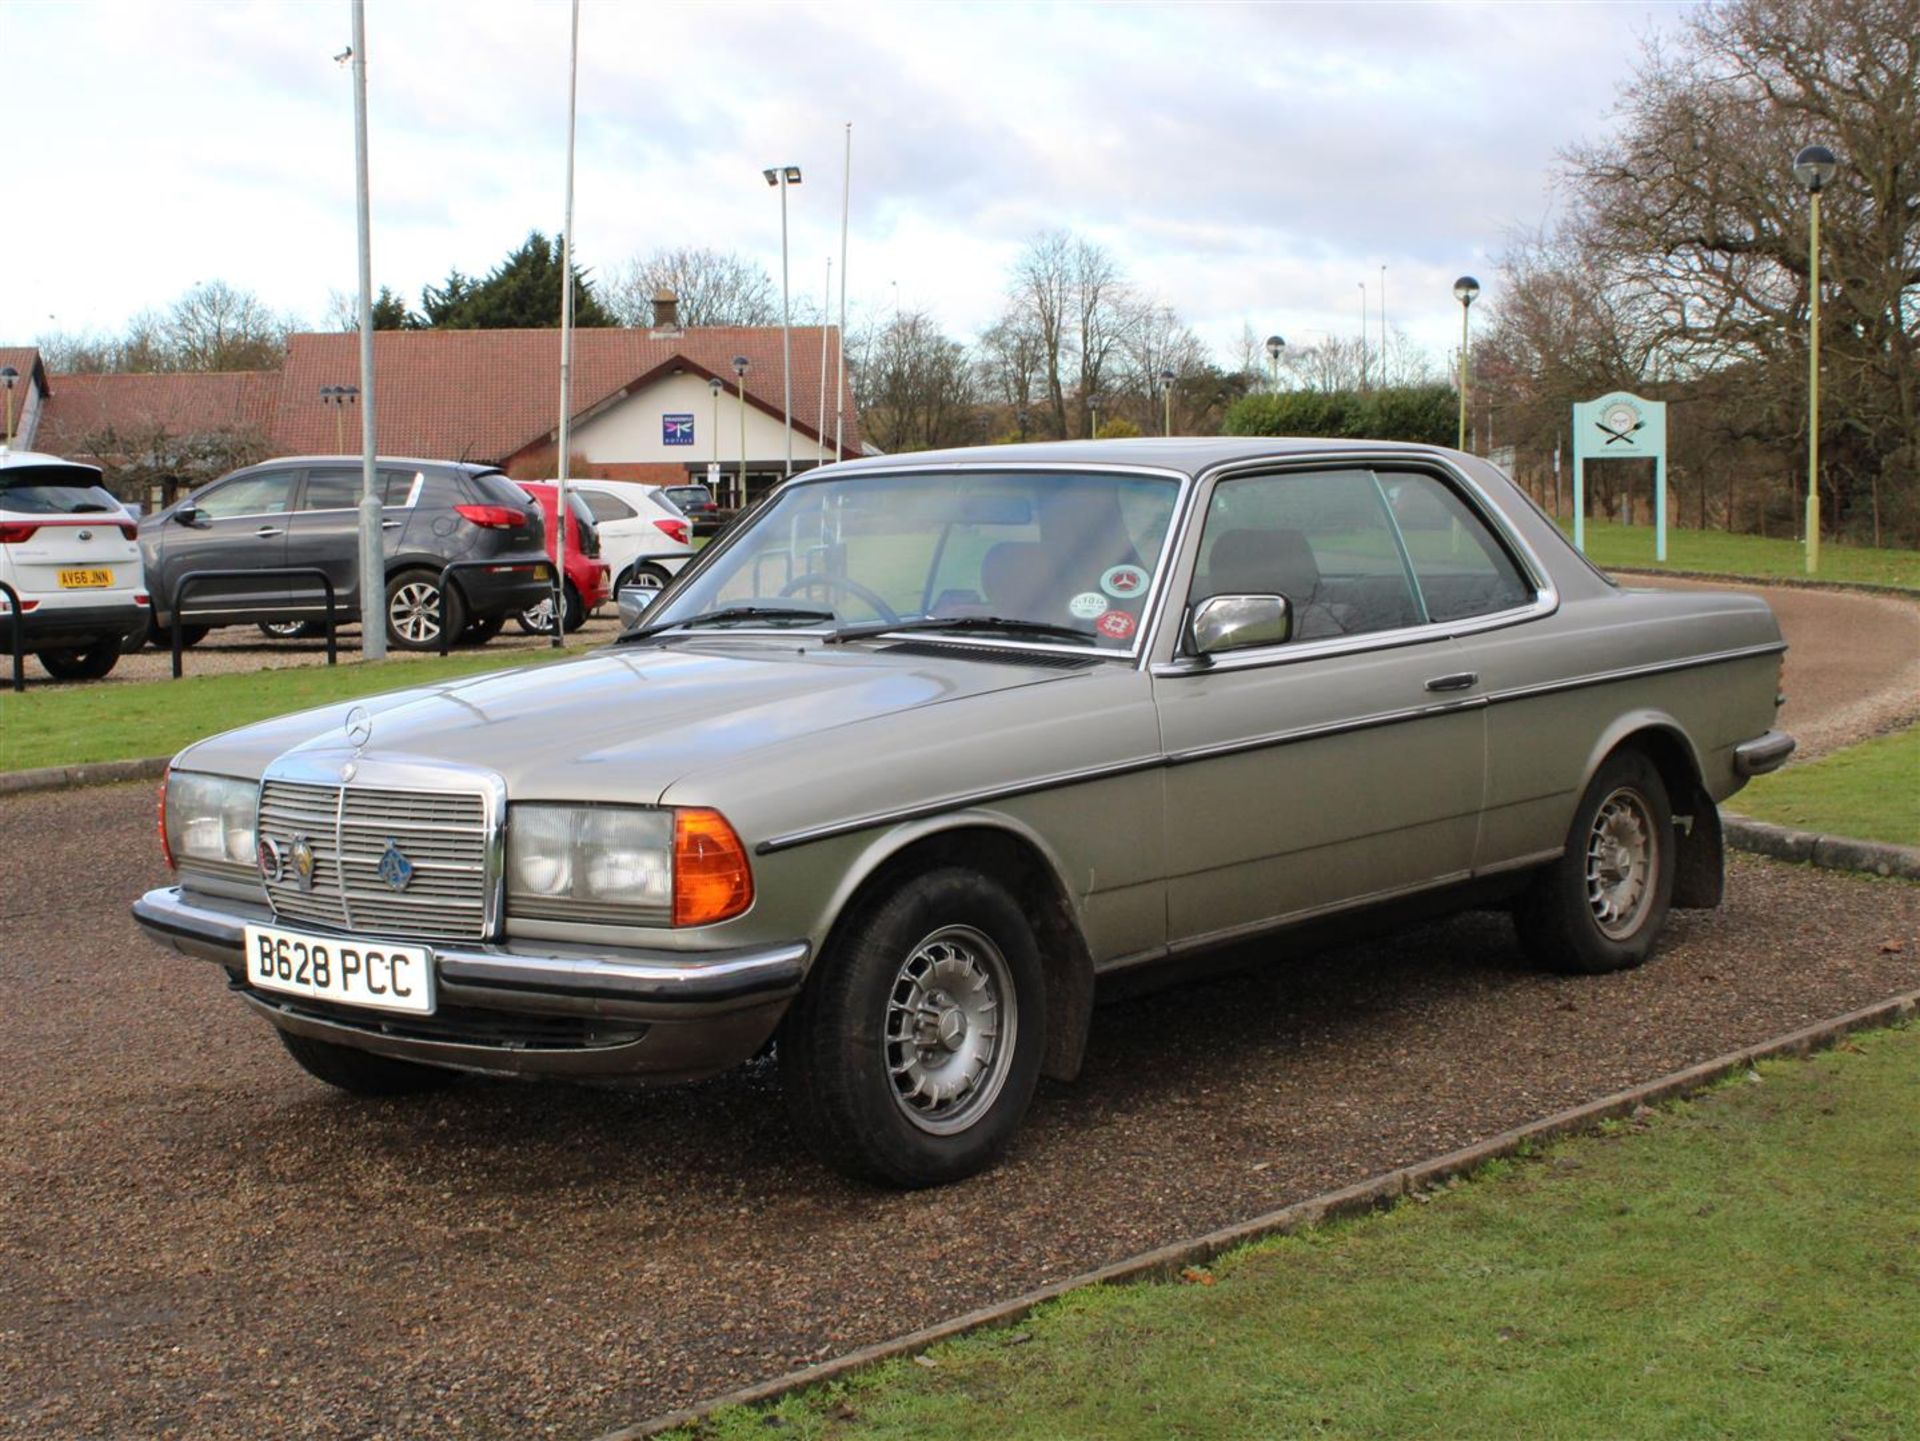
(1093, 417)
(740, 372)
(1167, 378)
(1814, 167)
(1464, 291)
(716, 385)
(9, 377)
(339, 397)
(1275, 344)
(783, 176)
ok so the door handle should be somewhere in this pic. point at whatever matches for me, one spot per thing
(1459, 680)
(391, 524)
(268, 532)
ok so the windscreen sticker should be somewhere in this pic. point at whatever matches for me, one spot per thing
(1115, 625)
(1125, 582)
(1088, 605)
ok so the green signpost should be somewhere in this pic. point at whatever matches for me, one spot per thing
(1621, 427)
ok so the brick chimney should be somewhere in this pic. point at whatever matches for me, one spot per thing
(666, 310)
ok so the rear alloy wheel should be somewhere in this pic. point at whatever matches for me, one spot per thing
(362, 1072)
(912, 1055)
(81, 662)
(538, 619)
(1601, 906)
(648, 577)
(413, 610)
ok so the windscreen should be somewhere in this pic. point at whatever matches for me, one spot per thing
(55, 490)
(1054, 548)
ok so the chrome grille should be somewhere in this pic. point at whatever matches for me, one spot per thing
(443, 834)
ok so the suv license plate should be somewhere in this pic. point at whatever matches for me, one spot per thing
(348, 972)
(92, 578)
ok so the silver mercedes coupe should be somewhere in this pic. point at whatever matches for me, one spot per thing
(927, 750)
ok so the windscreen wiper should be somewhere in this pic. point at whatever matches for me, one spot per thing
(1007, 625)
(726, 614)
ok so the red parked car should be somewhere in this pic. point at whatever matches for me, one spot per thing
(587, 580)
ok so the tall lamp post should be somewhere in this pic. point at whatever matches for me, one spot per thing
(1275, 344)
(1093, 417)
(1167, 378)
(1464, 291)
(9, 377)
(715, 385)
(1814, 167)
(740, 373)
(783, 176)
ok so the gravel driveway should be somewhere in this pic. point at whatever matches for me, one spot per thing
(199, 1241)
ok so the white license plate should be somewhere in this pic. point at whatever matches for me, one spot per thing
(349, 972)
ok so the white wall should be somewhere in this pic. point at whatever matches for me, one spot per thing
(631, 430)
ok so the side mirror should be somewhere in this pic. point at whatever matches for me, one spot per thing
(634, 599)
(1237, 622)
(187, 515)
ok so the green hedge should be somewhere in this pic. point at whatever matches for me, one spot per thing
(1426, 413)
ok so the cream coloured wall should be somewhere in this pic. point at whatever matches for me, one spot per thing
(630, 431)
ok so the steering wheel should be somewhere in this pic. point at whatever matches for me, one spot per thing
(836, 582)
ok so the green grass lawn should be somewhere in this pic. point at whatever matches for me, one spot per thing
(1870, 791)
(1715, 552)
(58, 726)
(1747, 1264)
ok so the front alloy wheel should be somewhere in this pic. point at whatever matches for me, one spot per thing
(911, 1056)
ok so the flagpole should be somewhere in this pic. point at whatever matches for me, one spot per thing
(820, 433)
(840, 384)
(566, 347)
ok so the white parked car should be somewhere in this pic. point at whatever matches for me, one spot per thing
(644, 538)
(71, 551)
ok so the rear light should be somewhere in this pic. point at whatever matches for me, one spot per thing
(160, 814)
(129, 531)
(13, 532)
(140, 597)
(675, 530)
(493, 517)
(711, 878)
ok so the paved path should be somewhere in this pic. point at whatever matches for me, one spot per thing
(199, 1241)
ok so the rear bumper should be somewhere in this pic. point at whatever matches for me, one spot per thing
(628, 1015)
(60, 625)
(505, 588)
(1767, 753)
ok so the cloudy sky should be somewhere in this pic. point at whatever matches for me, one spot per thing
(1249, 164)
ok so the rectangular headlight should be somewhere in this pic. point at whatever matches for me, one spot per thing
(573, 860)
(210, 818)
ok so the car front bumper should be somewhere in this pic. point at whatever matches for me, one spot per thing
(633, 1015)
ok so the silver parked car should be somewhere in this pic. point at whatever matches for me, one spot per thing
(926, 749)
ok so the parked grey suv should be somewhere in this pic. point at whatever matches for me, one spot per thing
(303, 511)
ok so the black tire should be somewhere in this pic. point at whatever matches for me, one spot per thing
(538, 620)
(479, 632)
(81, 662)
(292, 629)
(1601, 906)
(362, 1072)
(848, 1057)
(413, 617)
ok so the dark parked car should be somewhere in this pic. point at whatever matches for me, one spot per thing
(697, 504)
(303, 512)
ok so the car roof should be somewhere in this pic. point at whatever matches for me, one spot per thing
(470, 467)
(1188, 454)
(11, 457)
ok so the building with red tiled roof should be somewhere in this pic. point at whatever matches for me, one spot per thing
(643, 403)
(24, 398)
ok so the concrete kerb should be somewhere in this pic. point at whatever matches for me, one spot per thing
(1374, 1194)
(1785, 582)
(96, 773)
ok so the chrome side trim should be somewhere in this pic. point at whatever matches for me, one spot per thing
(1766, 753)
(1607, 677)
(988, 795)
(1057, 781)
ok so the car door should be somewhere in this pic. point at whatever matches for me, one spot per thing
(1344, 765)
(325, 531)
(236, 524)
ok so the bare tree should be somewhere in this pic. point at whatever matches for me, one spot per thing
(215, 326)
(916, 388)
(713, 288)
